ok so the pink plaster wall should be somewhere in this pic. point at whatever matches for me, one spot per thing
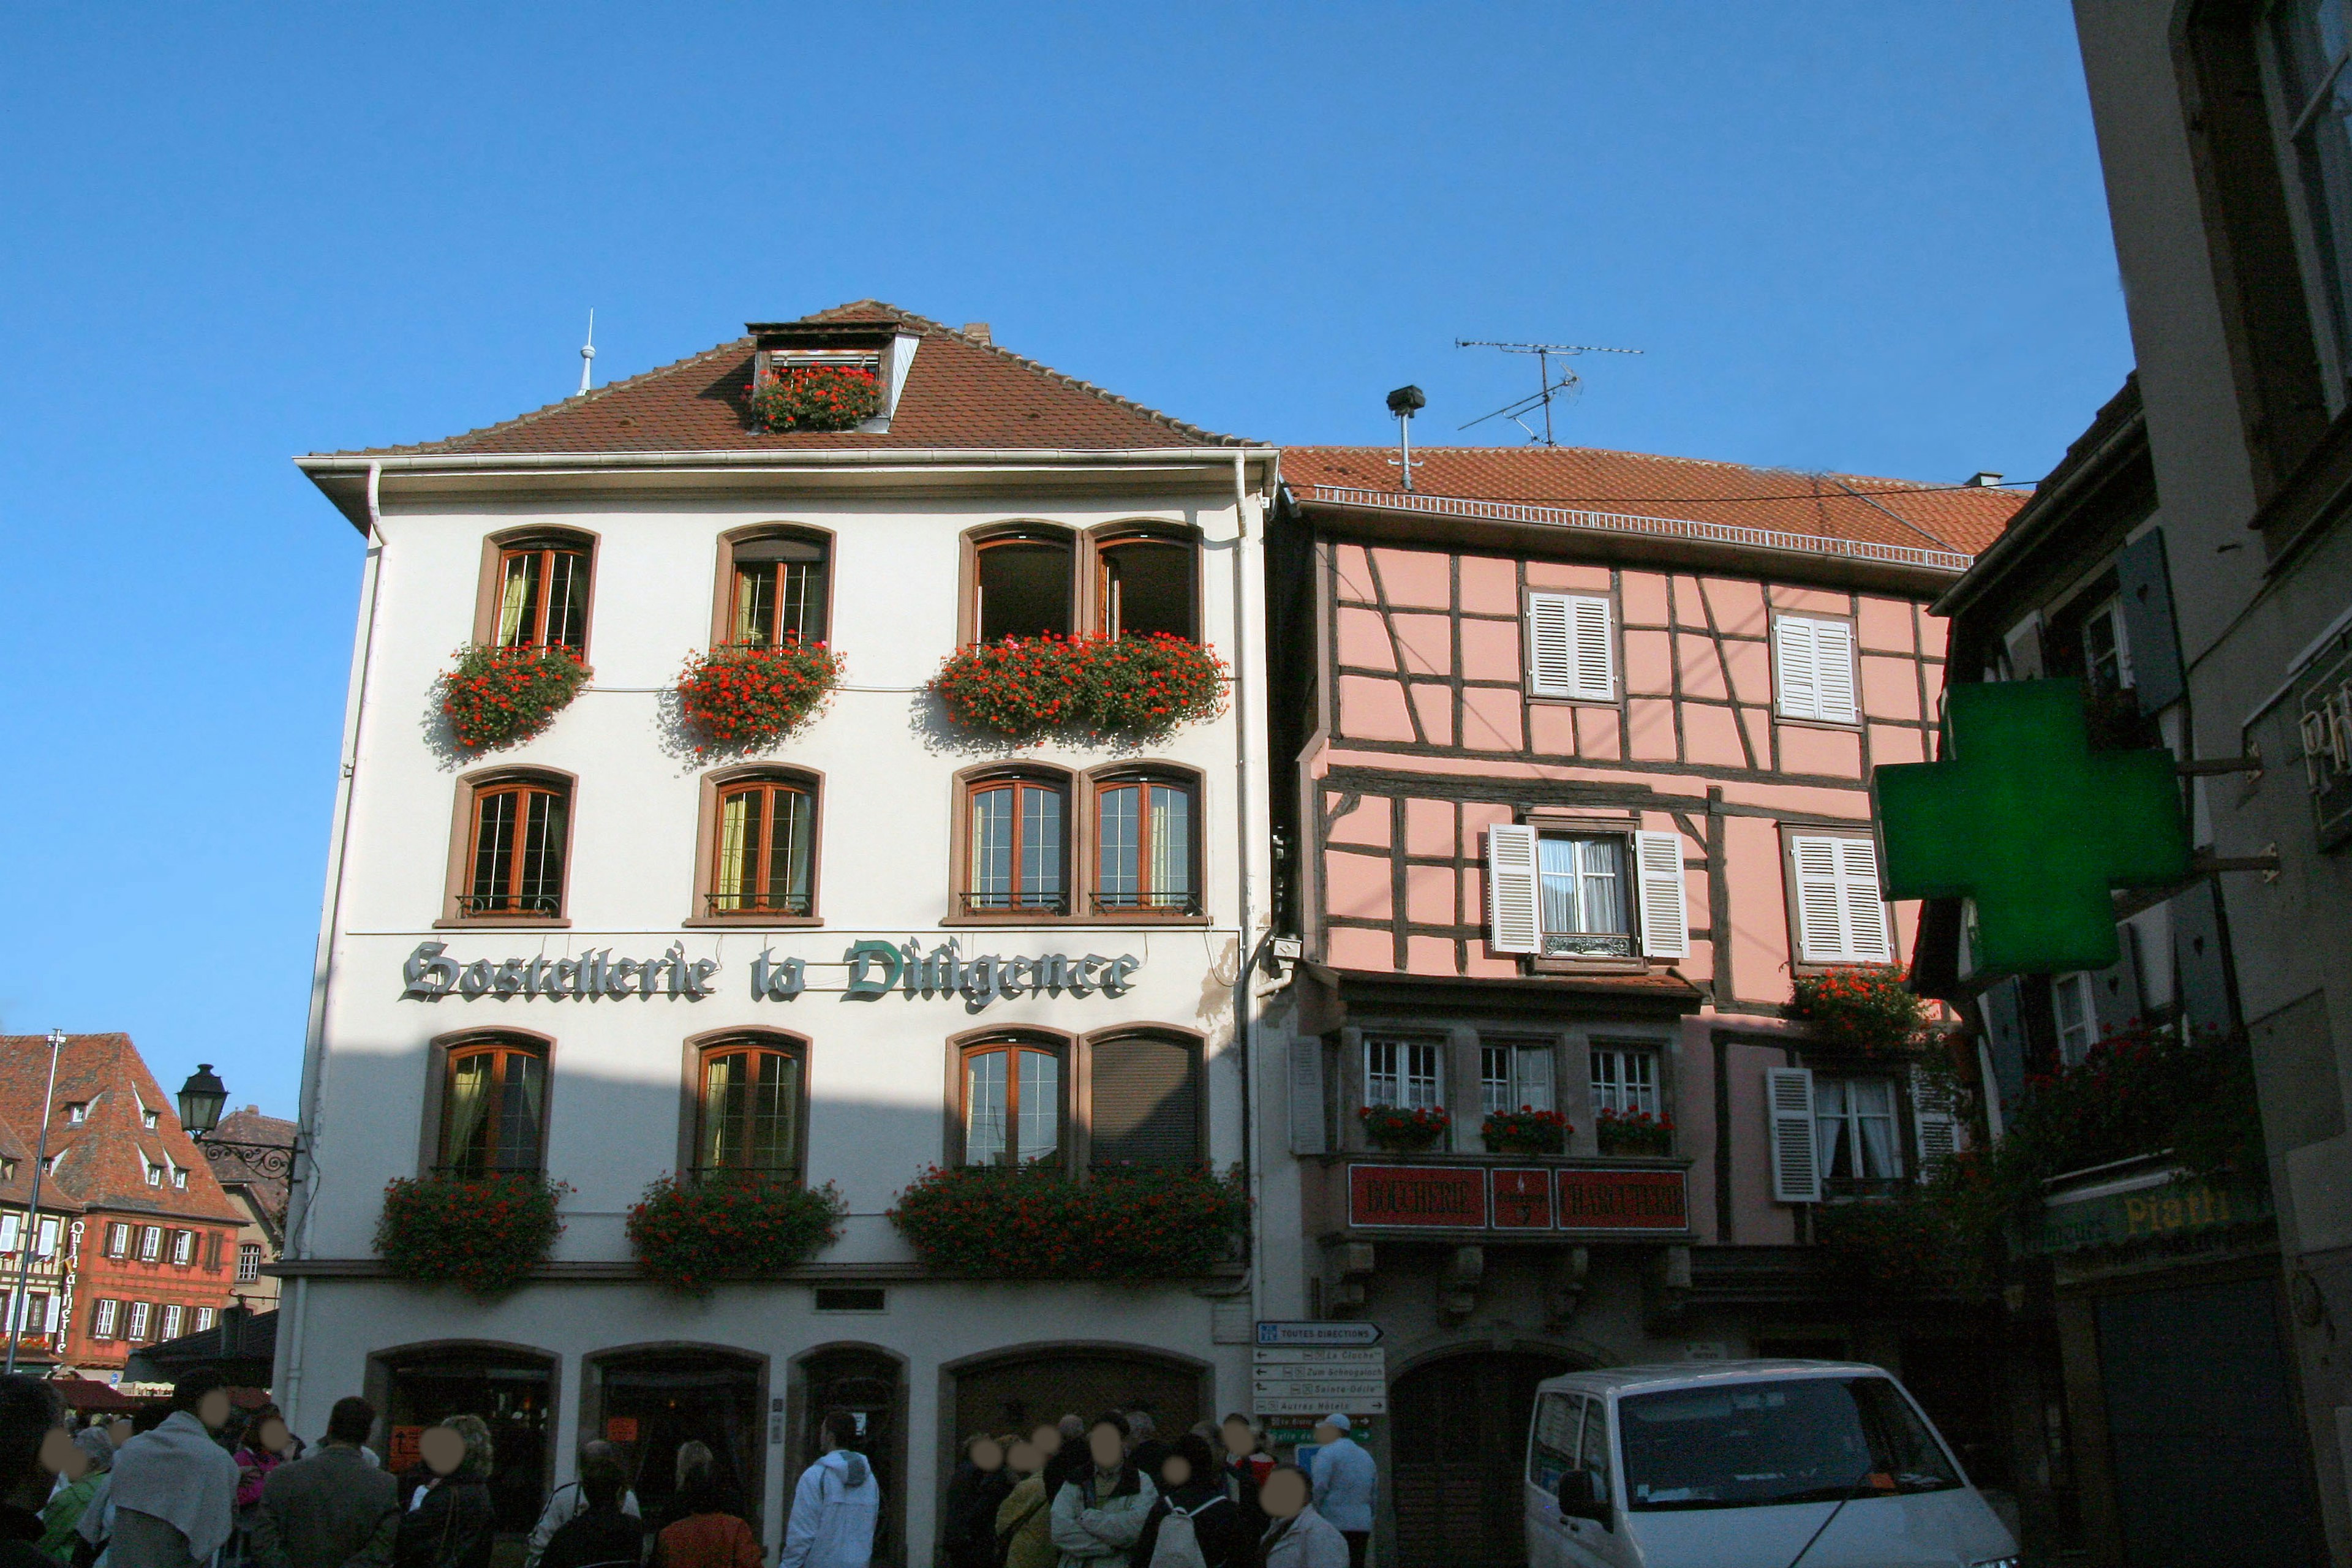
(1890, 686)
(1752, 671)
(1551, 728)
(1420, 578)
(1649, 663)
(1759, 911)
(1600, 734)
(1490, 650)
(1805, 749)
(1363, 641)
(1690, 609)
(1642, 597)
(1739, 606)
(1429, 828)
(1757, 1219)
(1650, 728)
(1477, 816)
(1702, 672)
(1757, 722)
(1429, 955)
(1372, 710)
(1428, 896)
(1435, 705)
(1490, 585)
(1356, 887)
(1367, 824)
(1568, 576)
(1427, 641)
(1711, 737)
(1351, 947)
(1490, 718)
(1809, 601)
(1353, 569)
(1884, 626)
(1935, 632)
(1890, 744)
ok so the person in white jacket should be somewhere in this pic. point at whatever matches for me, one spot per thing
(835, 1505)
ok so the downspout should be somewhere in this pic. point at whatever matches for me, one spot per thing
(314, 1053)
(1244, 994)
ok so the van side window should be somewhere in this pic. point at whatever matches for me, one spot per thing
(1551, 1449)
(1594, 1451)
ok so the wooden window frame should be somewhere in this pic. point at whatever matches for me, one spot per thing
(699, 1050)
(979, 539)
(980, 780)
(243, 1248)
(498, 546)
(1798, 962)
(714, 787)
(722, 598)
(457, 889)
(1086, 546)
(1110, 536)
(1102, 781)
(1071, 1149)
(445, 1058)
(1081, 1120)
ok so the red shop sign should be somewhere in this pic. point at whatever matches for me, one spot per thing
(1523, 1200)
(1420, 1196)
(1622, 1200)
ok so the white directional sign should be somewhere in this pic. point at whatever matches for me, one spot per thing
(1314, 1333)
(1298, 1380)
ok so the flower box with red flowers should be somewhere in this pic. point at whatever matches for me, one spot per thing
(1870, 1009)
(482, 1234)
(1634, 1132)
(1402, 1131)
(1025, 689)
(691, 1234)
(1035, 1221)
(1526, 1130)
(738, 696)
(815, 398)
(498, 696)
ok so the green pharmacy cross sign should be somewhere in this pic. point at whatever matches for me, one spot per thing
(2026, 821)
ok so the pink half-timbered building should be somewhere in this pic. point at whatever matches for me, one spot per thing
(1573, 752)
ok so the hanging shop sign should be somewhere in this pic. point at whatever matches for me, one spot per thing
(1471, 1197)
(1423, 1197)
(1622, 1200)
(873, 970)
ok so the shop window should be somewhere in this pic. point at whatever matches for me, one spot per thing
(1840, 918)
(1013, 1107)
(765, 845)
(249, 1262)
(494, 1104)
(1144, 585)
(1020, 586)
(1515, 1076)
(1857, 1143)
(750, 1111)
(543, 592)
(1812, 668)
(1016, 849)
(516, 849)
(102, 1318)
(1404, 1074)
(1146, 1102)
(1624, 1080)
(1144, 848)
(779, 592)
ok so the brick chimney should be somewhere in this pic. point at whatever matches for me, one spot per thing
(978, 331)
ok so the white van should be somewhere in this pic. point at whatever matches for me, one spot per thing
(1748, 1463)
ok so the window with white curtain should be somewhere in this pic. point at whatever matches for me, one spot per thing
(1624, 1080)
(1854, 1131)
(1515, 1075)
(1406, 1075)
(1582, 887)
(2075, 1003)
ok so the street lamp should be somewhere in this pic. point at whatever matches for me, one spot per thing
(200, 1099)
(32, 1237)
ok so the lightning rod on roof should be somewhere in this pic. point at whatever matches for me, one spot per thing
(1565, 387)
(588, 350)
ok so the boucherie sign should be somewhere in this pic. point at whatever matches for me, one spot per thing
(871, 970)
(1472, 1198)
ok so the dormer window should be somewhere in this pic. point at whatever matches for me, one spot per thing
(827, 375)
(76, 1112)
(150, 1118)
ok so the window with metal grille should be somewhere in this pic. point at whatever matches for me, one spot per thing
(249, 1262)
(492, 1109)
(1624, 1080)
(543, 594)
(519, 839)
(765, 845)
(1143, 847)
(1015, 859)
(751, 1111)
(1515, 1075)
(1012, 1103)
(1406, 1075)
(1146, 1106)
(779, 592)
(1582, 886)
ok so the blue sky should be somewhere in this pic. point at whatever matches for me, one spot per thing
(1867, 236)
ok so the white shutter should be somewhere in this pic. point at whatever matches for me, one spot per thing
(1514, 919)
(1833, 671)
(1821, 914)
(1307, 1114)
(1796, 1167)
(1939, 1125)
(1792, 651)
(1596, 664)
(1866, 911)
(1666, 916)
(1551, 644)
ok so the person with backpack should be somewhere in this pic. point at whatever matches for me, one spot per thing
(1193, 1524)
(1247, 1464)
(1025, 1536)
(569, 1501)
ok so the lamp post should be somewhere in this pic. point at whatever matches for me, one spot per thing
(200, 1099)
(32, 1236)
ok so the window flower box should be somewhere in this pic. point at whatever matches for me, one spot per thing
(482, 1234)
(688, 1235)
(739, 697)
(1036, 1222)
(1025, 689)
(1526, 1130)
(1405, 1132)
(499, 696)
(1870, 1009)
(815, 398)
(1635, 1134)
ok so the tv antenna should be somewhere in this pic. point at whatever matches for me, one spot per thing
(588, 350)
(1564, 388)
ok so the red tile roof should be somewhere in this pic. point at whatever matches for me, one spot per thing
(961, 392)
(102, 1162)
(1960, 518)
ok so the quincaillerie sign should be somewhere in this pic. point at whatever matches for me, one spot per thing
(871, 970)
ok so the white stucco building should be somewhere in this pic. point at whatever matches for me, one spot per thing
(642, 521)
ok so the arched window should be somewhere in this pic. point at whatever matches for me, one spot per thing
(764, 847)
(751, 1108)
(1016, 854)
(494, 1108)
(543, 587)
(779, 592)
(1145, 844)
(1012, 1103)
(516, 848)
(1143, 584)
(1020, 584)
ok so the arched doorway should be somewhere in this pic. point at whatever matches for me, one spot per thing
(870, 1383)
(510, 1388)
(1014, 1392)
(649, 1402)
(1457, 1435)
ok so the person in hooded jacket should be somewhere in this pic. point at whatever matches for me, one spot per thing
(451, 1521)
(1193, 1487)
(836, 1504)
(968, 1530)
(1098, 1514)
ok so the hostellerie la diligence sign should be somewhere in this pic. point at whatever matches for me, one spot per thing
(871, 970)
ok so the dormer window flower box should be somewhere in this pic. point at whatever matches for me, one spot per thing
(1526, 1130)
(745, 695)
(815, 389)
(1402, 1131)
(499, 696)
(1025, 689)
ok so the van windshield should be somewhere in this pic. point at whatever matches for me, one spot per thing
(1751, 1445)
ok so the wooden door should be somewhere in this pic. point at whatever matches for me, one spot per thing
(1457, 1441)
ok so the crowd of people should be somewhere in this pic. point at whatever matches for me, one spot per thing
(197, 1483)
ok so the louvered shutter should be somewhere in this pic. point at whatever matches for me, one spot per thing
(1147, 1103)
(1936, 1120)
(1792, 651)
(1306, 1115)
(1796, 1166)
(1596, 663)
(1833, 671)
(2115, 989)
(1820, 910)
(1551, 644)
(1515, 923)
(1665, 916)
(1866, 911)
